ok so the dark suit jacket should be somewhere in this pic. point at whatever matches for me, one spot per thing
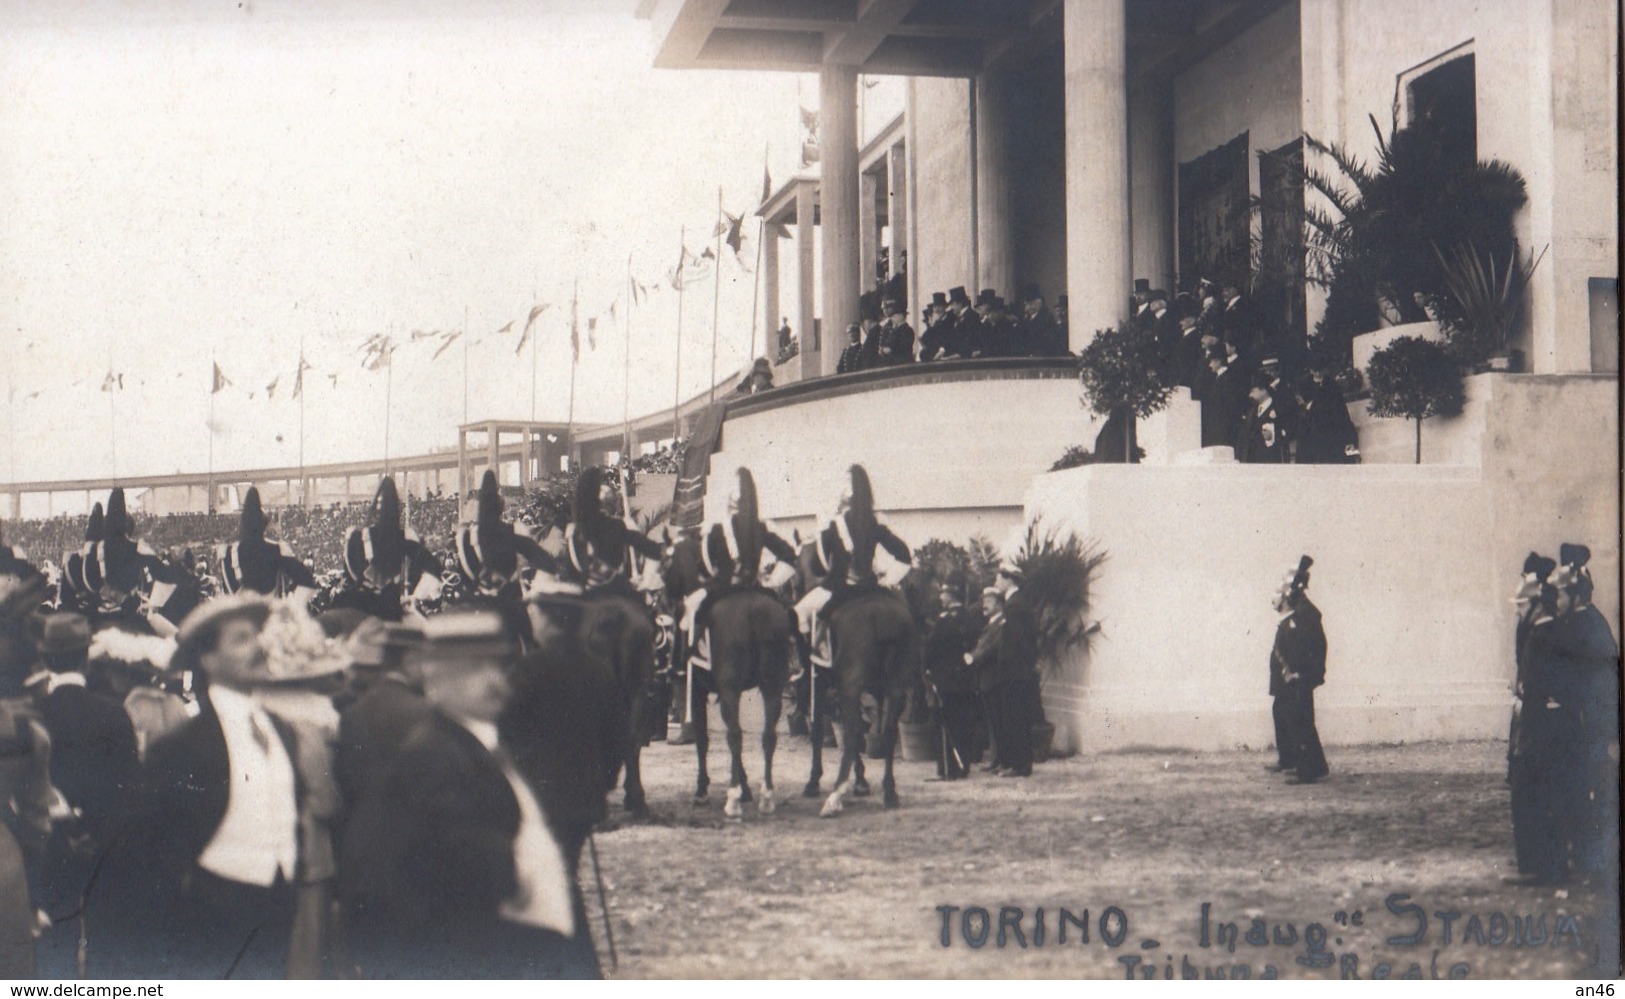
(93, 756)
(1223, 404)
(953, 634)
(371, 734)
(1008, 649)
(1300, 646)
(428, 861)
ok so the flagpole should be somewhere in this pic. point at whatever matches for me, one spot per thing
(465, 365)
(677, 390)
(299, 383)
(626, 368)
(756, 278)
(716, 296)
(389, 389)
(214, 378)
(575, 354)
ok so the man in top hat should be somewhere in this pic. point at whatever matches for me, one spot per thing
(460, 866)
(970, 332)
(897, 336)
(1038, 325)
(992, 340)
(93, 766)
(1297, 667)
(257, 564)
(1006, 662)
(1261, 440)
(948, 642)
(938, 339)
(202, 883)
(786, 340)
(1238, 322)
(873, 332)
(1224, 399)
(1139, 301)
(852, 354)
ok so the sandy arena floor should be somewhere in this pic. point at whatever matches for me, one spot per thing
(1133, 845)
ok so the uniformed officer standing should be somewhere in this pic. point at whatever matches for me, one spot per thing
(952, 681)
(1297, 667)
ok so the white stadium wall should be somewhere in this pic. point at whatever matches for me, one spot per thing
(1414, 567)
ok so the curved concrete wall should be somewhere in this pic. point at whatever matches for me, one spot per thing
(949, 446)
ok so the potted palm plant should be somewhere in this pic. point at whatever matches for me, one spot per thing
(1057, 572)
(1489, 296)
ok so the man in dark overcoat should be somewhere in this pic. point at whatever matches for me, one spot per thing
(951, 637)
(1006, 661)
(463, 865)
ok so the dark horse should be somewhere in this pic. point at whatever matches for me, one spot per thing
(617, 638)
(874, 642)
(750, 649)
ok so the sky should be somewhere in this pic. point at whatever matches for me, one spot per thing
(191, 184)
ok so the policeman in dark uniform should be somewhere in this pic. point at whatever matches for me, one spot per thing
(1297, 667)
(852, 355)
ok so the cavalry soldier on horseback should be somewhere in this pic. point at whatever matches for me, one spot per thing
(844, 555)
(385, 561)
(603, 550)
(489, 550)
(257, 564)
(731, 553)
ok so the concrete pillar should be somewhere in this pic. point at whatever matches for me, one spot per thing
(347, 496)
(868, 229)
(771, 315)
(897, 211)
(838, 204)
(1151, 173)
(1097, 189)
(462, 463)
(16, 505)
(805, 214)
(996, 259)
(524, 457)
(493, 438)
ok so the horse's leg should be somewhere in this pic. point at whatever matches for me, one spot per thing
(728, 701)
(633, 800)
(699, 709)
(772, 704)
(892, 710)
(851, 722)
(815, 723)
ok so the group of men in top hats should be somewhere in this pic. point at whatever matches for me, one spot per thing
(957, 327)
(1268, 408)
(1563, 750)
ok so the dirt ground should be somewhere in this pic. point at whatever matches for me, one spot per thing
(1132, 845)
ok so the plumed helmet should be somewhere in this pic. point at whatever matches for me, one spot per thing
(1539, 566)
(587, 506)
(252, 525)
(386, 505)
(117, 521)
(490, 502)
(863, 494)
(1300, 575)
(94, 525)
(1575, 555)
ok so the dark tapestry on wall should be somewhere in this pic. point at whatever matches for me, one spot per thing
(1278, 263)
(1213, 215)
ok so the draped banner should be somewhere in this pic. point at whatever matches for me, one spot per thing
(688, 499)
(1213, 216)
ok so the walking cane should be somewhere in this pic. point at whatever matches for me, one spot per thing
(603, 904)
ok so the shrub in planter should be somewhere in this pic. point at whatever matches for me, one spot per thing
(1415, 379)
(1121, 376)
(1489, 294)
(1073, 457)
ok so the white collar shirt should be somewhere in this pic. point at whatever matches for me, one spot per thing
(258, 839)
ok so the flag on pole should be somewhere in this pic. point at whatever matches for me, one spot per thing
(691, 268)
(220, 380)
(114, 382)
(530, 320)
(299, 376)
(377, 352)
(447, 338)
(506, 328)
(270, 390)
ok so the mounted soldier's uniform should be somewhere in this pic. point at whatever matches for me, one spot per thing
(257, 564)
(385, 561)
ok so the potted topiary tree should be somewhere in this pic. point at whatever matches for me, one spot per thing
(1122, 380)
(1415, 379)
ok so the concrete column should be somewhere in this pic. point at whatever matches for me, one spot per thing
(493, 460)
(524, 458)
(838, 204)
(805, 214)
(770, 291)
(868, 230)
(1097, 189)
(16, 505)
(996, 261)
(1151, 176)
(462, 463)
(897, 212)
